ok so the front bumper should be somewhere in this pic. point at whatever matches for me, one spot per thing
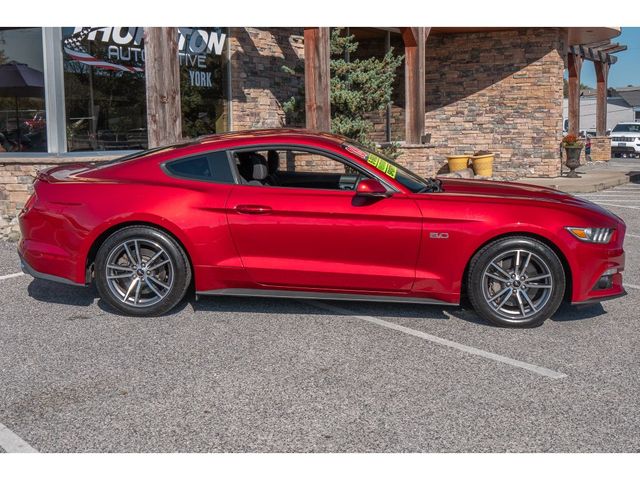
(601, 299)
(625, 147)
(597, 270)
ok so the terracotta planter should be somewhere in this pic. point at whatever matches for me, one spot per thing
(572, 160)
(457, 162)
(483, 164)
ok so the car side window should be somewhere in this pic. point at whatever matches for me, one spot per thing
(296, 168)
(213, 167)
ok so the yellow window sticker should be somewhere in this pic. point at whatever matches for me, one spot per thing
(382, 165)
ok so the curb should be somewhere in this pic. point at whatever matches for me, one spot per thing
(587, 187)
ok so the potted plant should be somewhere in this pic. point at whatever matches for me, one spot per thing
(457, 162)
(572, 147)
(482, 162)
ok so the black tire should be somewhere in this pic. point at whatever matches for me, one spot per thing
(533, 282)
(151, 290)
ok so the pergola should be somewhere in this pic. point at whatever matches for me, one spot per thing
(316, 67)
(601, 54)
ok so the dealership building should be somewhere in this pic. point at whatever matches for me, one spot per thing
(91, 93)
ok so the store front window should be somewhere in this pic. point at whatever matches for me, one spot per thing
(104, 85)
(202, 80)
(22, 105)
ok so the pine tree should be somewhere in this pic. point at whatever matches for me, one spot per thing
(358, 87)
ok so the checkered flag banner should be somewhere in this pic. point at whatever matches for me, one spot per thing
(74, 46)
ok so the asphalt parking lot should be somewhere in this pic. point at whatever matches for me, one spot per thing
(240, 375)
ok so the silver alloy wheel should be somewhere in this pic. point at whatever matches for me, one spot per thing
(517, 284)
(139, 272)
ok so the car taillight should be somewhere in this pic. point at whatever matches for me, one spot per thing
(30, 202)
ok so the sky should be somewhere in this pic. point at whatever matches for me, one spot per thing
(627, 70)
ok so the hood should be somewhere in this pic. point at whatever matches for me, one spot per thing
(489, 189)
(501, 189)
(625, 134)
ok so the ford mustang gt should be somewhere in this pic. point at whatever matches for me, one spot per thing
(297, 214)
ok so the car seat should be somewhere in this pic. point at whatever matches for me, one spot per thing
(273, 164)
(253, 168)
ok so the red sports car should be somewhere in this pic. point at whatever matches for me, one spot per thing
(296, 214)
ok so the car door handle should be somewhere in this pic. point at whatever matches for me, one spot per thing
(253, 209)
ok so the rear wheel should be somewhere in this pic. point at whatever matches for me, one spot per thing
(516, 282)
(142, 271)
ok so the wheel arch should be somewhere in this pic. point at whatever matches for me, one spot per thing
(553, 246)
(99, 240)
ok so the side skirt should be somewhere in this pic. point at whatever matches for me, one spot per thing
(295, 294)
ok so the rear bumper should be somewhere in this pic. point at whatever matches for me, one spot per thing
(29, 270)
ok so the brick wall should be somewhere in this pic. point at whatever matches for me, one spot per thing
(259, 84)
(15, 188)
(600, 149)
(498, 91)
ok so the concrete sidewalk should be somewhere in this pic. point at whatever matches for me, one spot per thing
(592, 178)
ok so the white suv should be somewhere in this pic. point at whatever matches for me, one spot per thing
(625, 140)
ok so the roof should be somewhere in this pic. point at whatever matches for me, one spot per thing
(631, 95)
(270, 133)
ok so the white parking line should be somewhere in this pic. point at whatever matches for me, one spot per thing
(631, 235)
(442, 341)
(12, 443)
(631, 285)
(11, 275)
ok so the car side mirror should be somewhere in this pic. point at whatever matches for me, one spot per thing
(371, 188)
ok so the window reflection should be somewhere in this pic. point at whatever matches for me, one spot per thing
(23, 124)
(105, 85)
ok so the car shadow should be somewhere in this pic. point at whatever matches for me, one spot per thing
(571, 313)
(51, 292)
(305, 307)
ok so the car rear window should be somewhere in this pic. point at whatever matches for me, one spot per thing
(212, 167)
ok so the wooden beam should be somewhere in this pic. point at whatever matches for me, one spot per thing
(162, 73)
(316, 78)
(601, 53)
(602, 74)
(409, 36)
(415, 39)
(574, 62)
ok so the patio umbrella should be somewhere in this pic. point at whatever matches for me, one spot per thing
(19, 80)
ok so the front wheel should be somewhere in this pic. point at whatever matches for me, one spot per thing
(516, 282)
(141, 271)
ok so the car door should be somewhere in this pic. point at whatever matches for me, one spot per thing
(293, 236)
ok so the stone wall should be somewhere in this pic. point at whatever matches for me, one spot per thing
(259, 83)
(499, 91)
(419, 159)
(600, 149)
(16, 184)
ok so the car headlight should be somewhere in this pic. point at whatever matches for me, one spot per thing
(590, 234)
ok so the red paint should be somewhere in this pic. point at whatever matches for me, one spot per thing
(247, 236)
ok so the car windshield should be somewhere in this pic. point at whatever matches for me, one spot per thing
(627, 127)
(388, 167)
